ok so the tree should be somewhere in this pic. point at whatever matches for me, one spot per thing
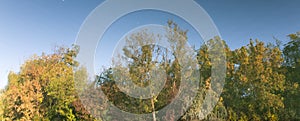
(44, 88)
(23, 98)
(253, 92)
(291, 53)
(144, 61)
(210, 55)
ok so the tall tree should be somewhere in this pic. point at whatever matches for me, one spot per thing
(253, 92)
(143, 61)
(208, 57)
(291, 53)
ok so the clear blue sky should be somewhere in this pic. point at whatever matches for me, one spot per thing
(35, 26)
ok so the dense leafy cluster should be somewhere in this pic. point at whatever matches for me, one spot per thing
(44, 89)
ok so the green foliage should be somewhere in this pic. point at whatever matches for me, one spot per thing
(253, 92)
(143, 58)
(291, 53)
(43, 89)
(262, 82)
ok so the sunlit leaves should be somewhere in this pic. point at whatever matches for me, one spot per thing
(43, 89)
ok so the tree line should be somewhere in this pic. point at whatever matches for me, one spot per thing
(261, 82)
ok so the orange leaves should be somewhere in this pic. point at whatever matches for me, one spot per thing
(27, 94)
(208, 83)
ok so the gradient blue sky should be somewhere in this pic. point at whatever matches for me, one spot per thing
(35, 26)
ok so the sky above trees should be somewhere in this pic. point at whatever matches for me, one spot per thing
(31, 27)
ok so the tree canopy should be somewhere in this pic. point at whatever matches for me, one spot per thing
(261, 82)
